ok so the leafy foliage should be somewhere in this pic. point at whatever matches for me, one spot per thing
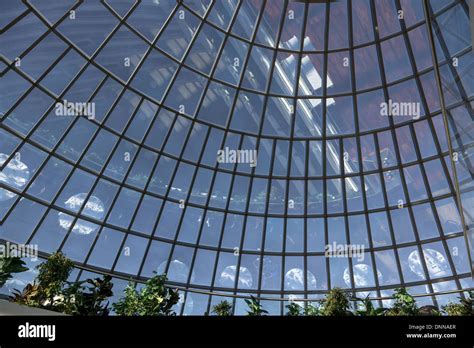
(48, 284)
(463, 308)
(153, 299)
(336, 303)
(222, 309)
(429, 310)
(29, 296)
(9, 265)
(294, 310)
(86, 297)
(311, 310)
(369, 309)
(51, 290)
(404, 304)
(254, 307)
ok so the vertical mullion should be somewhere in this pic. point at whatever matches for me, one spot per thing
(161, 154)
(234, 171)
(165, 141)
(33, 45)
(416, 142)
(205, 210)
(429, 24)
(392, 131)
(341, 142)
(50, 155)
(324, 140)
(305, 181)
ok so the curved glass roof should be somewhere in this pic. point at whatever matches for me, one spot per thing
(269, 148)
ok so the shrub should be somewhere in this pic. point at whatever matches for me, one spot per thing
(254, 307)
(369, 309)
(48, 284)
(404, 304)
(464, 307)
(9, 265)
(222, 309)
(153, 299)
(81, 299)
(336, 303)
(51, 290)
(294, 309)
(311, 310)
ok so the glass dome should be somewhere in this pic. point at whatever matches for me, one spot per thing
(268, 148)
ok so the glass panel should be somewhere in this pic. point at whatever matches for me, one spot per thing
(106, 248)
(205, 49)
(124, 208)
(178, 33)
(149, 17)
(90, 27)
(229, 143)
(122, 53)
(154, 75)
(147, 214)
(131, 255)
(231, 62)
(169, 220)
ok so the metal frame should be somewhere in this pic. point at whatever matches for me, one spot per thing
(212, 289)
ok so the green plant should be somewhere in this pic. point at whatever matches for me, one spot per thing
(454, 309)
(29, 296)
(52, 276)
(294, 309)
(255, 308)
(369, 309)
(48, 284)
(463, 308)
(86, 297)
(222, 309)
(311, 310)
(51, 290)
(153, 299)
(9, 265)
(404, 304)
(429, 310)
(336, 303)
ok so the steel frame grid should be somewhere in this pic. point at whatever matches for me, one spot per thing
(202, 290)
(365, 211)
(347, 136)
(125, 24)
(457, 192)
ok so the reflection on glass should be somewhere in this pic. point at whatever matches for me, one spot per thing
(15, 174)
(227, 278)
(93, 208)
(294, 279)
(363, 276)
(300, 82)
(177, 271)
(435, 262)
